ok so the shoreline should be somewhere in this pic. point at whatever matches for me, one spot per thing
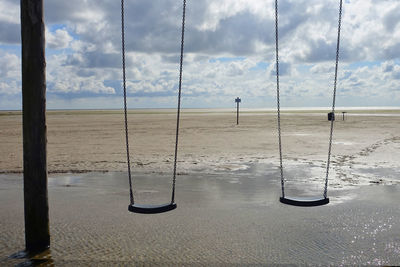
(355, 110)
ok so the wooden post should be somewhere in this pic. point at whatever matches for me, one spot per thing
(237, 100)
(343, 112)
(36, 207)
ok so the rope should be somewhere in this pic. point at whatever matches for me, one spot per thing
(333, 101)
(278, 100)
(179, 102)
(125, 106)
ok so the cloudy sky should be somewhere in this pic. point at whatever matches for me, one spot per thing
(230, 50)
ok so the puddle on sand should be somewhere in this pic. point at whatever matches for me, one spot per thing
(230, 167)
(214, 224)
(345, 143)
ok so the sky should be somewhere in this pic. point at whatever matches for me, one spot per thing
(229, 52)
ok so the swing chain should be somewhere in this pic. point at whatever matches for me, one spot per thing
(125, 105)
(125, 102)
(179, 102)
(333, 101)
(278, 100)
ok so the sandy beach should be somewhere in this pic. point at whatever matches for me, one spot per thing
(365, 150)
(227, 189)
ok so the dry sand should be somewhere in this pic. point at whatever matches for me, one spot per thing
(227, 191)
(367, 142)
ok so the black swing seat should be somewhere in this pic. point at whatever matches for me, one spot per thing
(304, 202)
(151, 209)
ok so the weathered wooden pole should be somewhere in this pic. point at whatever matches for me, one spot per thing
(237, 100)
(37, 234)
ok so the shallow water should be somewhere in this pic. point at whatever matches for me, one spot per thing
(231, 218)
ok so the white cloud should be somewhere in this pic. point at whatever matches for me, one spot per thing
(60, 39)
(68, 79)
(79, 85)
(10, 73)
(149, 87)
(84, 55)
(216, 11)
(10, 88)
(285, 69)
(9, 65)
(323, 68)
(9, 11)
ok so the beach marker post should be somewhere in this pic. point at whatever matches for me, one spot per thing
(237, 100)
(343, 112)
(36, 206)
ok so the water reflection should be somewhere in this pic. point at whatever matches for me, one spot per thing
(24, 258)
(216, 222)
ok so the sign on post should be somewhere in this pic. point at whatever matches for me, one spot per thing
(237, 100)
(343, 112)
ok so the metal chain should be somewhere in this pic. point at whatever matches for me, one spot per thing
(179, 101)
(277, 98)
(333, 101)
(125, 105)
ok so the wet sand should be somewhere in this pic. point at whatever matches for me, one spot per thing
(222, 218)
(227, 190)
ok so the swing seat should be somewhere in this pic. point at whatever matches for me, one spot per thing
(151, 209)
(304, 202)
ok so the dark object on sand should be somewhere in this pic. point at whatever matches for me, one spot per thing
(343, 112)
(331, 116)
(304, 202)
(151, 209)
(237, 100)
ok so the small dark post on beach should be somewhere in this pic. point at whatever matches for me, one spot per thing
(36, 206)
(237, 100)
(343, 112)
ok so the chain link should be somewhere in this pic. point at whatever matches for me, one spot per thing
(125, 105)
(333, 101)
(179, 101)
(278, 100)
(125, 102)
